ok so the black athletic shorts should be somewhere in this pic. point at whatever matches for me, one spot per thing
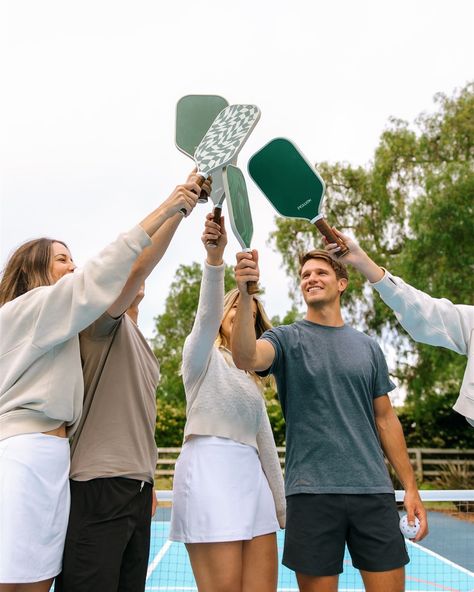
(108, 536)
(319, 525)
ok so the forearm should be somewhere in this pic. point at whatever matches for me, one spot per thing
(153, 254)
(367, 267)
(145, 264)
(199, 343)
(243, 339)
(395, 449)
(156, 219)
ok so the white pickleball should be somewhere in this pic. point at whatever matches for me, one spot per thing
(408, 531)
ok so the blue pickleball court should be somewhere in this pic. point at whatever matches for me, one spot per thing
(428, 570)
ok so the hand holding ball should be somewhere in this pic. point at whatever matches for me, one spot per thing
(408, 531)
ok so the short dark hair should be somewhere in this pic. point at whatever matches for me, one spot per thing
(339, 268)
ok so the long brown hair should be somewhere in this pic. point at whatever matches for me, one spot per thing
(28, 267)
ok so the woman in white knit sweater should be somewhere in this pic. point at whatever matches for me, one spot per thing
(228, 493)
(435, 321)
(43, 307)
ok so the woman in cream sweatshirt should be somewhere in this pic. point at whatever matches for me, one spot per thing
(435, 321)
(228, 493)
(43, 307)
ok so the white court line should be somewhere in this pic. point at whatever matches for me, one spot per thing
(158, 557)
(441, 558)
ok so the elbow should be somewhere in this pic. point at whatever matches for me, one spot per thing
(241, 362)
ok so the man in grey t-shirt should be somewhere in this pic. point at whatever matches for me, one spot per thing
(332, 383)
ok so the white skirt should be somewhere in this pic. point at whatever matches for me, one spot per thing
(34, 506)
(220, 493)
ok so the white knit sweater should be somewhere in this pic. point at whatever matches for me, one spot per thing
(221, 399)
(41, 385)
(435, 321)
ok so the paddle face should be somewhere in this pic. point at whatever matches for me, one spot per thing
(287, 179)
(238, 205)
(226, 137)
(194, 116)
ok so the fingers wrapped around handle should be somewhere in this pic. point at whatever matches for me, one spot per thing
(331, 237)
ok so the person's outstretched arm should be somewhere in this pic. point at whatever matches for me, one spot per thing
(247, 352)
(199, 343)
(162, 225)
(356, 257)
(434, 321)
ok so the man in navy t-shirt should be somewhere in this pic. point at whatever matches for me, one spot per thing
(332, 384)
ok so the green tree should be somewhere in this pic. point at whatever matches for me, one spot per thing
(411, 209)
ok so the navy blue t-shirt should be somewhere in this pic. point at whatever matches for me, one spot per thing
(327, 378)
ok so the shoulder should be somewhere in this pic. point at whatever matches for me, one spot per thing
(282, 331)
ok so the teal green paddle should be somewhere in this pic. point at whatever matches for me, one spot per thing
(194, 116)
(239, 212)
(292, 185)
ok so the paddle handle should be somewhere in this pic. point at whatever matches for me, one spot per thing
(216, 217)
(202, 197)
(327, 231)
(252, 287)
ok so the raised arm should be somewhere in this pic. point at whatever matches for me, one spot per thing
(161, 226)
(199, 343)
(435, 321)
(356, 257)
(248, 352)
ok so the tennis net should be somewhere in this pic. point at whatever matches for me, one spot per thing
(444, 561)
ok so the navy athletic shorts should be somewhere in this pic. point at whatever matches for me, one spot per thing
(319, 525)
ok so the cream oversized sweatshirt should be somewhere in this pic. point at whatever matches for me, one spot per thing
(41, 385)
(435, 321)
(221, 399)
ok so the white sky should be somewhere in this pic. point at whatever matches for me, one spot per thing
(89, 91)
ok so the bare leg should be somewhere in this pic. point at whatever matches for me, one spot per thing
(317, 583)
(217, 567)
(260, 564)
(43, 586)
(388, 581)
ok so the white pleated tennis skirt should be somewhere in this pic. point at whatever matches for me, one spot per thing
(220, 493)
(34, 506)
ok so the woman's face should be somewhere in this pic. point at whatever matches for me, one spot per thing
(61, 262)
(228, 320)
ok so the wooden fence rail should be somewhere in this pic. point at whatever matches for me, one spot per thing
(428, 463)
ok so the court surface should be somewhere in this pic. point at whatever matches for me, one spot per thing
(428, 570)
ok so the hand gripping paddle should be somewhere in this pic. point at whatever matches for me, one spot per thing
(239, 212)
(292, 185)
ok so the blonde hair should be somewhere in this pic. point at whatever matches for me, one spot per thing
(28, 267)
(262, 324)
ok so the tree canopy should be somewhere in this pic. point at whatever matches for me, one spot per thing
(411, 209)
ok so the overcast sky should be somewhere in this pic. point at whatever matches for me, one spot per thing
(89, 91)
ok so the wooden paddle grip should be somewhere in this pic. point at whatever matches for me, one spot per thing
(252, 288)
(217, 219)
(203, 195)
(327, 231)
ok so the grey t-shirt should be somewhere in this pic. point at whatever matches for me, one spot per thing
(327, 378)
